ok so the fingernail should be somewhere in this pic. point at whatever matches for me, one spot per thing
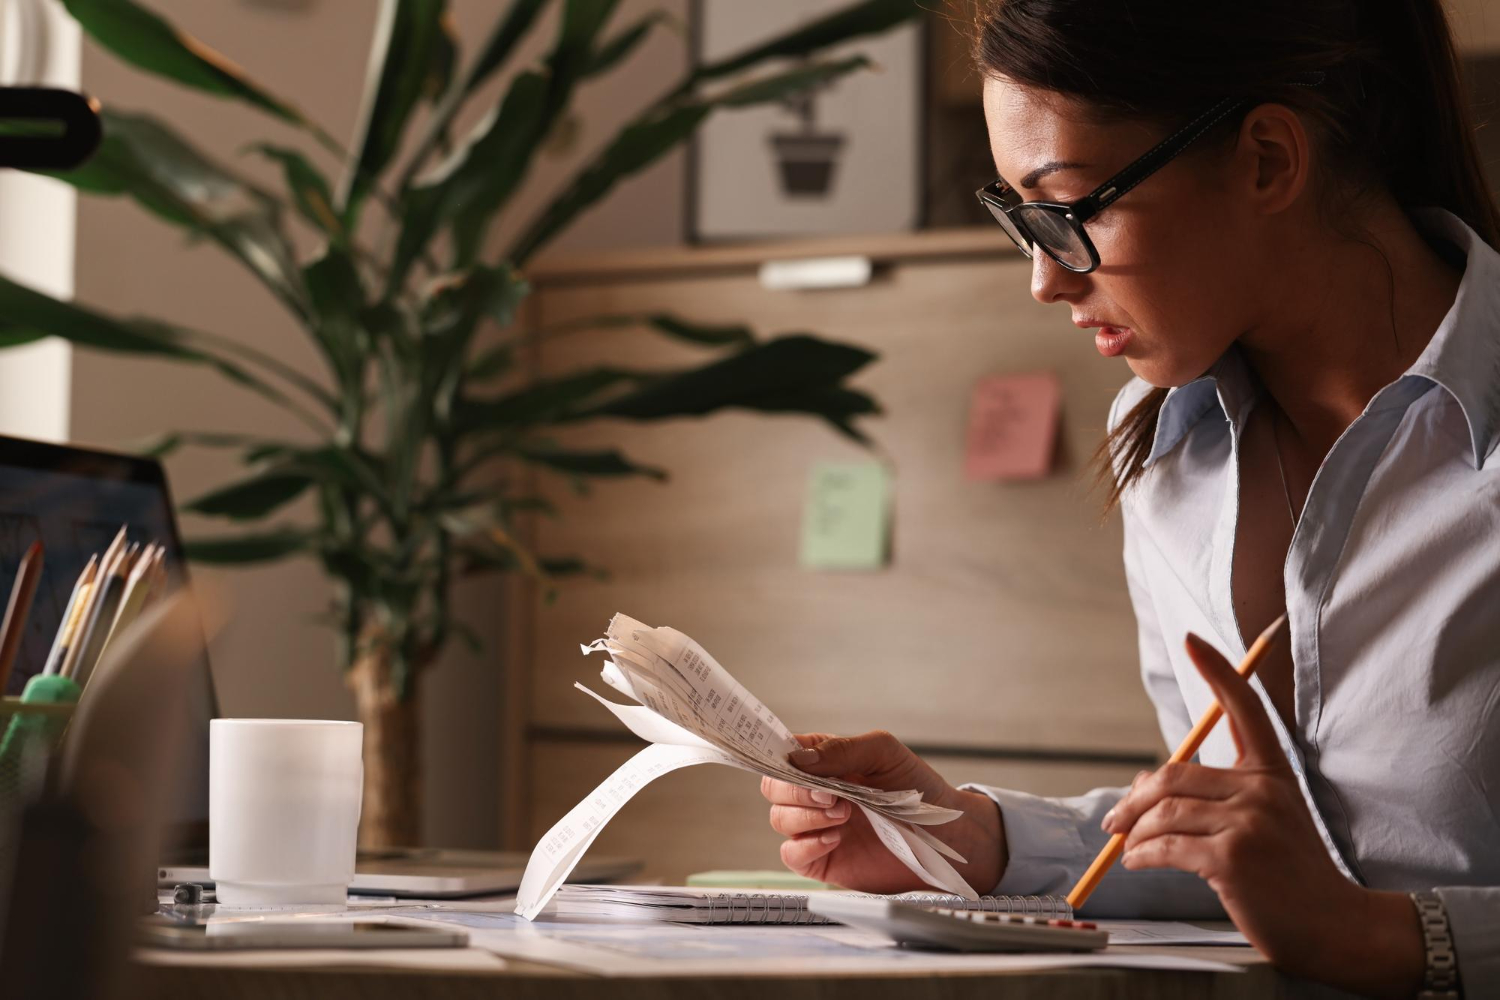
(830, 837)
(804, 757)
(823, 798)
(1108, 822)
(837, 812)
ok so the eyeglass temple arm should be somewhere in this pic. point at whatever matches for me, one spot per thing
(1100, 198)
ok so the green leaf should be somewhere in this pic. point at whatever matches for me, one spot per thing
(162, 445)
(651, 136)
(545, 400)
(796, 373)
(409, 42)
(337, 297)
(451, 314)
(252, 548)
(146, 159)
(636, 147)
(421, 210)
(588, 463)
(703, 334)
(618, 48)
(491, 363)
(145, 40)
(252, 498)
(502, 41)
(309, 188)
(482, 176)
(493, 54)
(871, 17)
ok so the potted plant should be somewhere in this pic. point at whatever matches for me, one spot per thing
(422, 405)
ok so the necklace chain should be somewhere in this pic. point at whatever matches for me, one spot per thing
(1285, 490)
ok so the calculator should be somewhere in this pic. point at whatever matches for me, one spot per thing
(957, 930)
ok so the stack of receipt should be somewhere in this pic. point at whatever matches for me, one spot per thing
(694, 712)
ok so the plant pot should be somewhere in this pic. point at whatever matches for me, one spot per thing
(807, 162)
(391, 813)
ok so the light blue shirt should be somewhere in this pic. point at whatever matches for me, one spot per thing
(1393, 602)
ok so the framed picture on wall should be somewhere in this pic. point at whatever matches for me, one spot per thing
(845, 157)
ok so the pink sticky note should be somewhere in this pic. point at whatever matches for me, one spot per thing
(1012, 427)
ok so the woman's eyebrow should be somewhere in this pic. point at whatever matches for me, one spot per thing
(1029, 181)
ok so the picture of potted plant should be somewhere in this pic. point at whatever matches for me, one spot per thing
(807, 158)
(422, 406)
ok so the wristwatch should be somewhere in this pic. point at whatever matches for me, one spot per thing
(1441, 979)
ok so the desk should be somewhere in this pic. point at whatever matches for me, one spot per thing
(526, 981)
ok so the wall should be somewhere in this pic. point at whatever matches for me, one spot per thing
(36, 248)
(275, 661)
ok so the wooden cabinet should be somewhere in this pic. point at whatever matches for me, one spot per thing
(1000, 637)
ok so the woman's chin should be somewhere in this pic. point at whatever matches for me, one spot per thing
(1164, 373)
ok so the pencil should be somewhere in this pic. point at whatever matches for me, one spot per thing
(101, 617)
(1190, 745)
(90, 602)
(28, 574)
(137, 587)
(68, 636)
(85, 580)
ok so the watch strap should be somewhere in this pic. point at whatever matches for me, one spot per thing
(1440, 982)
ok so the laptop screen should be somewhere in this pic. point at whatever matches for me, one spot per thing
(74, 501)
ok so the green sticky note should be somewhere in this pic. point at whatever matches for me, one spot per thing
(846, 523)
(736, 879)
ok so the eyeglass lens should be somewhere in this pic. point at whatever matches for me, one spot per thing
(1049, 229)
(1056, 234)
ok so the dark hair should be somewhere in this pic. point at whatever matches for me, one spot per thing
(1391, 112)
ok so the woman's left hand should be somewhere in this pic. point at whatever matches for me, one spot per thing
(1247, 832)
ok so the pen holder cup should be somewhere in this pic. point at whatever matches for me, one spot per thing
(31, 730)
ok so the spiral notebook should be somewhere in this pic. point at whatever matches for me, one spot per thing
(694, 905)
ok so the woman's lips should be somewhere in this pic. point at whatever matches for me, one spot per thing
(1112, 340)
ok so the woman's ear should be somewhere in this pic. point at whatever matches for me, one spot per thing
(1276, 151)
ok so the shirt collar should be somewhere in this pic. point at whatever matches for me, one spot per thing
(1463, 356)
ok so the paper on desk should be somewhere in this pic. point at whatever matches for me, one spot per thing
(662, 950)
(694, 712)
(1167, 932)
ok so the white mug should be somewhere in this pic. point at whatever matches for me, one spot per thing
(283, 809)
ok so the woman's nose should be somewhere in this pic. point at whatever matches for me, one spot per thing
(1050, 281)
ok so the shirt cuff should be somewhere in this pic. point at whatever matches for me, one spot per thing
(1051, 842)
(1474, 919)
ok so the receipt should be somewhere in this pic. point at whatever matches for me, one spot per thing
(562, 847)
(694, 712)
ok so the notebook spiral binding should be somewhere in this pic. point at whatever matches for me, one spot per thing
(763, 908)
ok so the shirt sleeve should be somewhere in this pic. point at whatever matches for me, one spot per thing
(1474, 918)
(1050, 842)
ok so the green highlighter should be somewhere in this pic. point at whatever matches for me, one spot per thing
(38, 727)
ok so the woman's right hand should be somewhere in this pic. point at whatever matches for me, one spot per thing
(829, 839)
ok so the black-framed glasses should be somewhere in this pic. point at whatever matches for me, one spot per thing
(1057, 227)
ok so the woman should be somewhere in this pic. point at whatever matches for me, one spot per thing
(1306, 287)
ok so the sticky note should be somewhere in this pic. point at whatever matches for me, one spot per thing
(846, 523)
(1012, 427)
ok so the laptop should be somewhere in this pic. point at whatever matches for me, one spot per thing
(74, 500)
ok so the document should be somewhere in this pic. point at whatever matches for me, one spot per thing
(693, 712)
